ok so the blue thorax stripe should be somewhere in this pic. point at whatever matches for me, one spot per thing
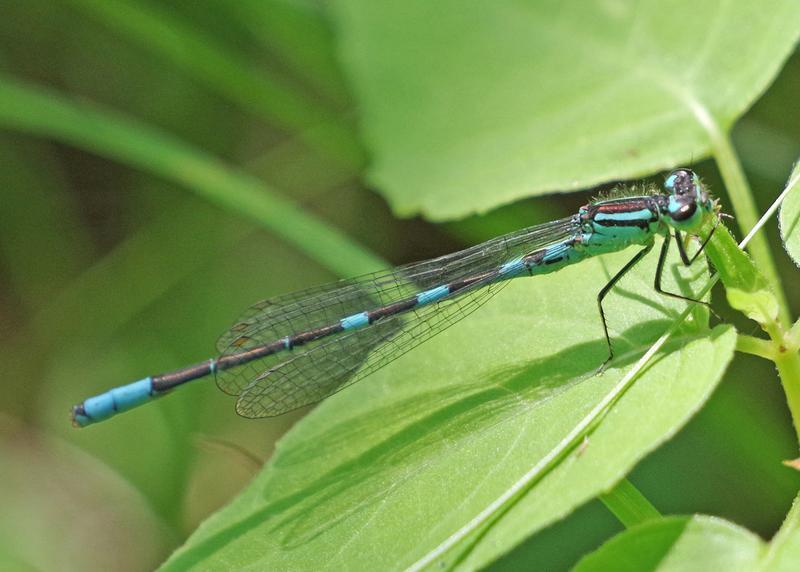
(642, 214)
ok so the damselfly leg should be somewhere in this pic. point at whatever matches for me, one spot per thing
(662, 258)
(606, 289)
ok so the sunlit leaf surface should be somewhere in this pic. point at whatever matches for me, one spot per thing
(469, 105)
(382, 473)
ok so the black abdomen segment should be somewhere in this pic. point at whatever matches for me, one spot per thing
(165, 382)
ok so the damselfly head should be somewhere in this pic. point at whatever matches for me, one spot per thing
(685, 183)
(689, 200)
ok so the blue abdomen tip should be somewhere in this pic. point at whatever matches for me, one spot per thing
(112, 402)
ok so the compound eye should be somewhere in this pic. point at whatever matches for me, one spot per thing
(684, 212)
(681, 182)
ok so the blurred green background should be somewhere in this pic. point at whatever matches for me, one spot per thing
(108, 274)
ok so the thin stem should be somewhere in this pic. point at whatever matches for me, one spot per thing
(755, 346)
(747, 215)
(788, 364)
(629, 505)
(784, 343)
(772, 209)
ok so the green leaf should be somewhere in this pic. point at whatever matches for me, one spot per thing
(790, 216)
(745, 287)
(383, 473)
(697, 543)
(678, 543)
(469, 105)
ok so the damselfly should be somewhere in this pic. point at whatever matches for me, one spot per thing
(300, 348)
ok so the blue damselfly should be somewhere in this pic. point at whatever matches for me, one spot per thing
(300, 348)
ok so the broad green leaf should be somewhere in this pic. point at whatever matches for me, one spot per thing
(790, 217)
(678, 543)
(467, 105)
(745, 287)
(381, 474)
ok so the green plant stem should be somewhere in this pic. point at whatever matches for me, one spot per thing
(755, 346)
(628, 504)
(786, 356)
(747, 215)
(39, 112)
(787, 361)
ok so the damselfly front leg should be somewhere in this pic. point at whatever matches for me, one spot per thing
(662, 257)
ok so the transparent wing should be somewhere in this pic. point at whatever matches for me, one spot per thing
(273, 319)
(321, 305)
(235, 380)
(343, 360)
